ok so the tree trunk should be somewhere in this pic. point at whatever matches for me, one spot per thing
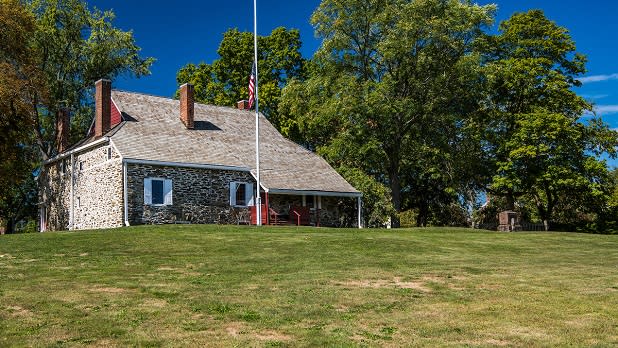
(396, 199)
(395, 185)
(510, 201)
(423, 213)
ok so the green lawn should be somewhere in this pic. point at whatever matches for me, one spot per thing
(189, 285)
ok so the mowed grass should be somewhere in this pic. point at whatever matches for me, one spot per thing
(188, 285)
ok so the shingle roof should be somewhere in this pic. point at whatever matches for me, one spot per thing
(222, 136)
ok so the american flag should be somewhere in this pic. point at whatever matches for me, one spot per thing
(252, 87)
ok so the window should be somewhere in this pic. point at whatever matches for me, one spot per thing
(157, 191)
(241, 194)
(81, 165)
(109, 153)
(63, 167)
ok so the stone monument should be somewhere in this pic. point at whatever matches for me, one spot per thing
(509, 221)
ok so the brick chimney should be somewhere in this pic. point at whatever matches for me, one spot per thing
(62, 129)
(186, 105)
(242, 105)
(103, 106)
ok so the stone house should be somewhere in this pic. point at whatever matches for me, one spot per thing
(152, 160)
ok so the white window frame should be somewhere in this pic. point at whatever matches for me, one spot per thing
(249, 194)
(167, 191)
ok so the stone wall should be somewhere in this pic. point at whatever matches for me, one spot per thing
(98, 192)
(54, 193)
(198, 195)
(97, 200)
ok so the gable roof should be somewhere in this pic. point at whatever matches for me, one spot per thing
(223, 136)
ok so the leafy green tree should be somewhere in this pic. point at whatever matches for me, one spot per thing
(19, 80)
(377, 205)
(538, 146)
(390, 91)
(51, 53)
(74, 47)
(226, 80)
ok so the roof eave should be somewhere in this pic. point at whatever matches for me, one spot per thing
(184, 164)
(78, 149)
(314, 192)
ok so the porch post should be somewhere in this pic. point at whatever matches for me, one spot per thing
(267, 208)
(360, 204)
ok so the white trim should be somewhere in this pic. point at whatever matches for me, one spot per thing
(185, 165)
(112, 144)
(117, 108)
(314, 193)
(72, 198)
(125, 194)
(261, 184)
(360, 206)
(101, 164)
(81, 148)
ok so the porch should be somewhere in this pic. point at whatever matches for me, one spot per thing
(298, 208)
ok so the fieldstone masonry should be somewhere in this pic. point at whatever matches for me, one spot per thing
(98, 190)
(198, 195)
(97, 196)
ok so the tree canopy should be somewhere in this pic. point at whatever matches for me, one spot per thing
(225, 81)
(51, 53)
(538, 146)
(389, 90)
(75, 46)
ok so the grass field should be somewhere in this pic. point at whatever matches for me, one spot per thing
(190, 285)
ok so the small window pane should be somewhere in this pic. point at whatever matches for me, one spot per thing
(240, 194)
(157, 192)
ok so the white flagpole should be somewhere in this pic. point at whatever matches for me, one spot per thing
(257, 117)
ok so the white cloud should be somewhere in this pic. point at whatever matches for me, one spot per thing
(598, 78)
(606, 109)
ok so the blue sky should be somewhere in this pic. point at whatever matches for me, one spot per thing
(179, 32)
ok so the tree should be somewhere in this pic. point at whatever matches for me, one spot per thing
(51, 53)
(19, 81)
(226, 80)
(377, 203)
(390, 91)
(74, 47)
(539, 147)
